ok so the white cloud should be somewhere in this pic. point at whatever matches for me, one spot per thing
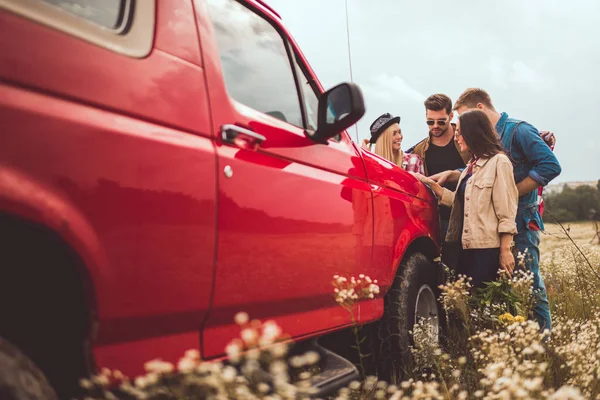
(498, 72)
(385, 87)
(540, 65)
(505, 75)
(522, 74)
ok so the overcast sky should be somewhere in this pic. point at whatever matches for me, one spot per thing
(538, 59)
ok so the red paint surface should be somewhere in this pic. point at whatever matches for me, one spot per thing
(122, 158)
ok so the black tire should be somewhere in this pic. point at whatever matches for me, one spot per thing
(43, 307)
(20, 378)
(416, 276)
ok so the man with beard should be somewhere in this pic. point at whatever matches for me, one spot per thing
(441, 155)
(439, 151)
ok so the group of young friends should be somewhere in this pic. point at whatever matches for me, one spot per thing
(487, 171)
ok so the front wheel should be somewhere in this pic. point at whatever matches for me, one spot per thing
(413, 296)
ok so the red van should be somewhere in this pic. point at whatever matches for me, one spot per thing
(167, 164)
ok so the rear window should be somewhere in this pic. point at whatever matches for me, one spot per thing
(107, 13)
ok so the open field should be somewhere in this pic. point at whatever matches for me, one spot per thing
(583, 233)
(492, 349)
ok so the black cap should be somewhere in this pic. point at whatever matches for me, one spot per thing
(381, 124)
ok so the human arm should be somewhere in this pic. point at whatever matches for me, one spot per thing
(451, 176)
(507, 259)
(445, 196)
(505, 196)
(549, 138)
(505, 199)
(544, 164)
(527, 185)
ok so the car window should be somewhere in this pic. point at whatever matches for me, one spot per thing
(255, 61)
(311, 99)
(107, 13)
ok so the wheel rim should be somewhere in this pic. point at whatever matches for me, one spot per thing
(426, 309)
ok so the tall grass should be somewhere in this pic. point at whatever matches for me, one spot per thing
(492, 348)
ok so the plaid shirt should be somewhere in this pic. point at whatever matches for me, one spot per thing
(412, 163)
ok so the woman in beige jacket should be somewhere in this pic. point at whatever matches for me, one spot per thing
(484, 205)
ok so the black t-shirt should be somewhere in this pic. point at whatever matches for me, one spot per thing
(443, 158)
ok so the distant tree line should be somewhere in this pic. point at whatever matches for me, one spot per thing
(573, 204)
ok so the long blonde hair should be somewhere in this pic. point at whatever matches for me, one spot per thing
(383, 146)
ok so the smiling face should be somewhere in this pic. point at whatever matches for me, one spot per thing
(389, 143)
(396, 136)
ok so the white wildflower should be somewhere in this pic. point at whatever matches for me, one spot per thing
(241, 318)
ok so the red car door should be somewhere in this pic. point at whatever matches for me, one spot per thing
(287, 206)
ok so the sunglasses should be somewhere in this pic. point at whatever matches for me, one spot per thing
(440, 122)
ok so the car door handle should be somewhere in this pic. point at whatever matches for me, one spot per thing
(241, 137)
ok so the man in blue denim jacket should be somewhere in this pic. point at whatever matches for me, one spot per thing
(535, 165)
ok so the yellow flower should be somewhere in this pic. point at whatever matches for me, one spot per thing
(519, 318)
(507, 318)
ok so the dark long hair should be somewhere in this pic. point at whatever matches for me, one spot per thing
(479, 134)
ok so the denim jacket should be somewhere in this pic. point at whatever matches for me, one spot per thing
(531, 157)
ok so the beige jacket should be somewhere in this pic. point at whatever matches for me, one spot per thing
(490, 206)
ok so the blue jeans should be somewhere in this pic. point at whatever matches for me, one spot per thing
(530, 240)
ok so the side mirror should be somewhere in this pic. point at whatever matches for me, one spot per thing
(339, 108)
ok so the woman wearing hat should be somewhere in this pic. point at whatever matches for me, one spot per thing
(377, 218)
(386, 135)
